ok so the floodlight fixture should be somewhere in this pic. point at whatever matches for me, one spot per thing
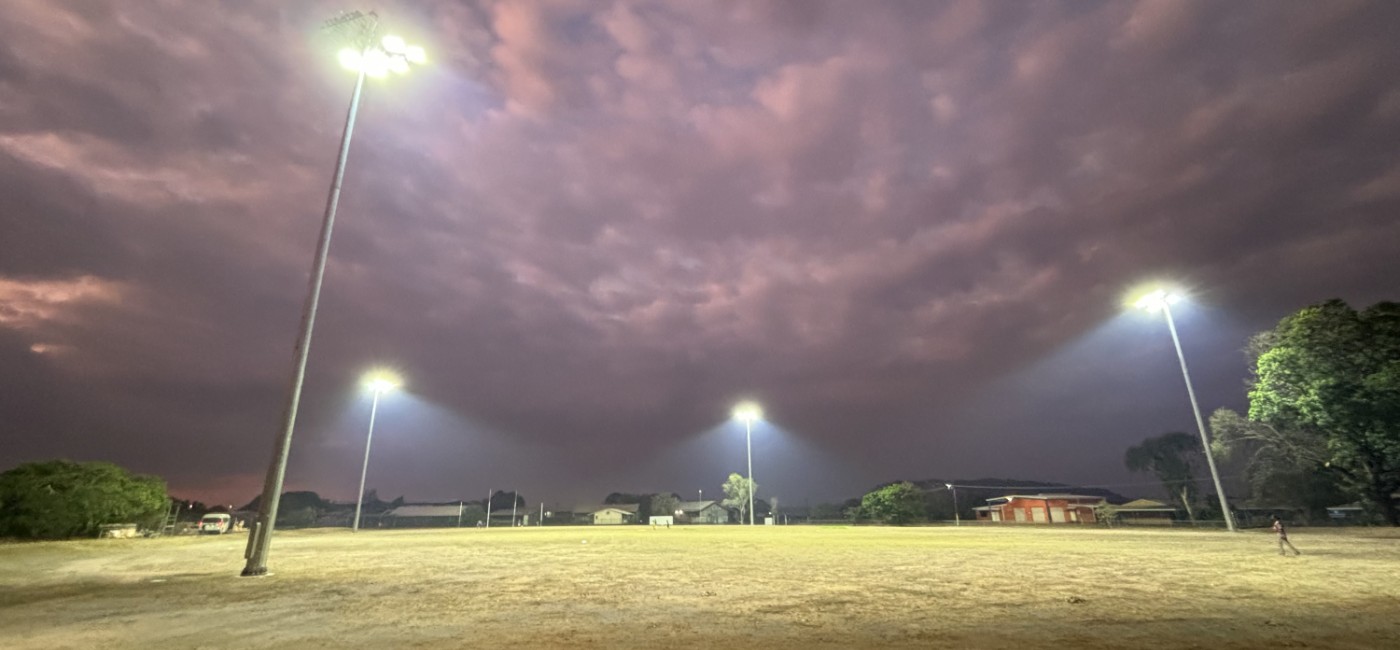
(1157, 299)
(381, 381)
(748, 412)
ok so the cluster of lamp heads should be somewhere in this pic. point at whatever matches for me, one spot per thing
(748, 412)
(391, 54)
(1157, 299)
(381, 381)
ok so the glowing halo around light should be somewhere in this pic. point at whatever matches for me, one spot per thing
(748, 412)
(392, 54)
(381, 381)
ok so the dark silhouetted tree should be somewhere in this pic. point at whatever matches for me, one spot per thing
(1171, 457)
(1284, 467)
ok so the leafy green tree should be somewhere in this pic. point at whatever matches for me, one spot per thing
(664, 504)
(898, 503)
(1329, 376)
(736, 495)
(1171, 457)
(60, 498)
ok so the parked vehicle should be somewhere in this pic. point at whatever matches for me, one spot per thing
(215, 523)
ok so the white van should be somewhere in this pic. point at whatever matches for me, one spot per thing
(215, 523)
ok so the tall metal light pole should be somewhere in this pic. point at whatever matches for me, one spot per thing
(957, 518)
(366, 58)
(1161, 299)
(379, 382)
(748, 412)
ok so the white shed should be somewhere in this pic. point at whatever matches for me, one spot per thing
(617, 514)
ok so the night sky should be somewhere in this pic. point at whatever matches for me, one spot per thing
(586, 229)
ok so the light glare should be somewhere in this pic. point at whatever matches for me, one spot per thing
(350, 58)
(416, 55)
(393, 44)
(381, 381)
(1157, 299)
(748, 412)
(376, 63)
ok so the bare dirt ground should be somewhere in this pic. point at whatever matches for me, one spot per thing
(711, 587)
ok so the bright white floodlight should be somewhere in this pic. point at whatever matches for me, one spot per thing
(748, 412)
(392, 54)
(350, 58)
(393, 44)
(1157, 299)
(382, 381)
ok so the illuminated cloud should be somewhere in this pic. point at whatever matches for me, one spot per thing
(34, 303)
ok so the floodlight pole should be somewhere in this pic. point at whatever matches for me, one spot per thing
(364, 470)
(1200, 423)
(488, 507)
(957, 519)
(748, 444)
(261, 536)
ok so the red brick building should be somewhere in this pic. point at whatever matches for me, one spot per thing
(1040, 509)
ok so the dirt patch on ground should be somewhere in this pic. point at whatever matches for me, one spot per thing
(692, 587)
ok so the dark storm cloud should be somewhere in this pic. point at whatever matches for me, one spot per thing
(587, 229)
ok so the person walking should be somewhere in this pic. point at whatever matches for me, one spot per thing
(1283, 538)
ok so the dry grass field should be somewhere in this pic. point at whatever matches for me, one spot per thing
(711, 587)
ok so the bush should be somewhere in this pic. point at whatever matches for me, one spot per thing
(59, 499)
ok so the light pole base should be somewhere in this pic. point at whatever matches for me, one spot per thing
(254, 572)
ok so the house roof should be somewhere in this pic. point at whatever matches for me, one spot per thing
(1009, 497)
(1146, 505)
(425, 511)
(695, 506)
(629, 508)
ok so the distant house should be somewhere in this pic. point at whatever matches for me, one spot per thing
(701, 512)
(1040, 509)
(423, 516)
(615, 514)
(1146, 512)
